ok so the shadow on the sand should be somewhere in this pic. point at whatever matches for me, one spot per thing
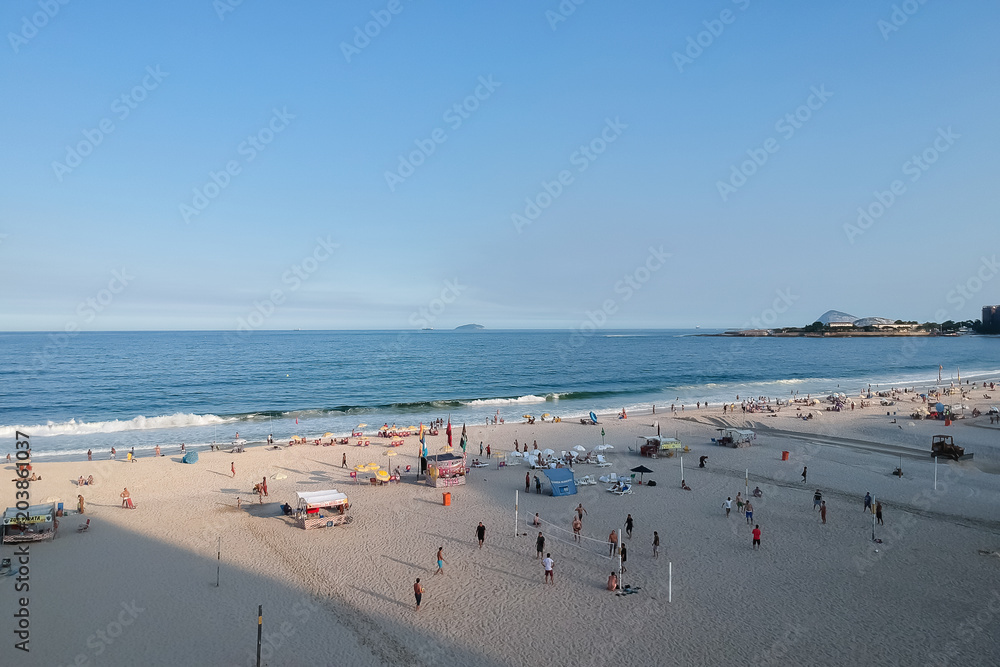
(384, 598)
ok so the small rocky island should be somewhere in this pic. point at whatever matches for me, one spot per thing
(470, 327)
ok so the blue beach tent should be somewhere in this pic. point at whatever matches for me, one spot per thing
(561, 480)
(190, 457)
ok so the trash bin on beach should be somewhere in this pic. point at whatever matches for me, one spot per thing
(784, 456)
(447, 499)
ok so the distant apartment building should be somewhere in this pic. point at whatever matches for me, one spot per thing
(991, 318)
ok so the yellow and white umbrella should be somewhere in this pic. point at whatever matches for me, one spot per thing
(391, 452)
(382, 476)
(362, 425)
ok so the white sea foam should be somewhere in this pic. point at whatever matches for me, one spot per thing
(530, 398)
(140, 423)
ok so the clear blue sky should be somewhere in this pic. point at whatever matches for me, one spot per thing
(677, 126)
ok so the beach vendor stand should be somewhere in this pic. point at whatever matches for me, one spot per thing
(655, 446)
(322, 509)
(34, 524)
(734, 437)
(446, 469)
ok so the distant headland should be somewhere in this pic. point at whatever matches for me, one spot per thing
(838, 324)
(470, 327)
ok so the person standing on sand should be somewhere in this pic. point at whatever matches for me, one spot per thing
(624, 558)
(804, 471)
(577, 525)
(263, 484)
(480, 533)
(343, 460)
(539, 545)
(487, 451)
(441, 561)
(728, 505)
(878, 512)
(656, 544)
(79, 504)
(481, 447)
(868, 502)
(749, 512)
(822, 511)
(580, 512)
(756, 537)
(126, 497)
(612, 542)
(538, 485)
(547, 564)
(527, 482)
(113, 453)
(418, 592)
(233, 468)
(628, 526)
(90, 456)
(157, 450)
(817, 499)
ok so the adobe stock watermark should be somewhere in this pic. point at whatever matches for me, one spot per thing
(381, 18)
(783, 300)
(915, 168)
(86, 312)
(122, 107)
(248, 150)
(786, 126)
(105, 637)
(714, 28)
(563, 11)
(30, 25)
(293, 279)
(455, 116)
(777, 653)
(223, 7)
(901, 13)
(581, 158)
(626, 288)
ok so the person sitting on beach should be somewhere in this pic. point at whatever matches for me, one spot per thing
(685, 486)
(80, 482)
(90, 480)
(536, 521)
(613, 582)
(757, 493)
(286, 509)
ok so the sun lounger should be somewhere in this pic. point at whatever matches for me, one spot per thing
(625, 488)
(84, 527)
(602, 462)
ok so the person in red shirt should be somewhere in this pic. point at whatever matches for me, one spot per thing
(756, 536)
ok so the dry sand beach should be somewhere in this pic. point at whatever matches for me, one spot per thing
(139, 588)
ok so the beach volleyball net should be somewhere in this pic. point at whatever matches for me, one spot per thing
(582, 543)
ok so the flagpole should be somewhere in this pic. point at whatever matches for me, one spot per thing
(515, 512)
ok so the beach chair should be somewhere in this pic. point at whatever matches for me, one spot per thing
(625, 488)
(602, 462)
(83, 527)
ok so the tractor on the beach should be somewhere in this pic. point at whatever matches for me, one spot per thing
(944, 445)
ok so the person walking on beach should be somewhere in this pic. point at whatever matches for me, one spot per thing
(577, 525)
(538, 485)
(90, 456)
(804, 471)
(817, 499)
(547, 565)
(487, 451)
(612, 542)
(539, 545)
(728, 505)
(756, 537)
(480, 447)
(580, 511)
(343, 464)
(624, 553)
(749, 512)
(263, 484)
(527, 482)
(822, 511)
(878, 512)
(480, 533)
(628, 526)
(113, 453)
(418, 592)
(739, 501)
(656, 544)
(868, 502)
(441, 561)
(232, 466)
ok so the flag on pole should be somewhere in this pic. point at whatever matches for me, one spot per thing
(423, 441)
(449, 431)
(464, 439)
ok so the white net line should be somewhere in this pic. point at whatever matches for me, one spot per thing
(551, 531)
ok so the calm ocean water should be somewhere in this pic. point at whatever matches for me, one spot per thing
(97, 390)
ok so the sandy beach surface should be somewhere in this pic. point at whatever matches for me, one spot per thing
(139, 588)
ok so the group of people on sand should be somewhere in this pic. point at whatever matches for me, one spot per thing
(85, 482)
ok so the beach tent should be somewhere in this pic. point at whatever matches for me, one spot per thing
(561, 480)
(190, 457)
(34, 524)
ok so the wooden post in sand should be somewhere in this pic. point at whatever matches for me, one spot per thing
(621, 572)
(260, 629)
(935, 473)
(218, 566)
(682, 468)
(670, 581)
(515, 512)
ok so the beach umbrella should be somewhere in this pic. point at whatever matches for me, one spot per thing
(327, 434)
(382, 476)
(601, 448)
(362, 425)
(525, 416)
(580, 448)
(279, 475)
(390, 452)
(360, 468)
(609, 446)
(642, 470)
(546, 415)
(548, 452)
